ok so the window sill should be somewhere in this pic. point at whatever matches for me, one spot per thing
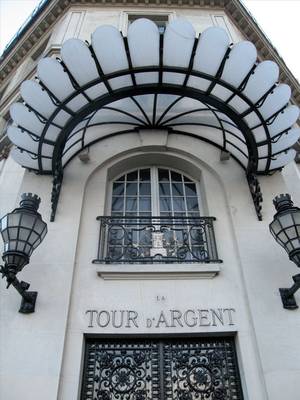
(158, 271)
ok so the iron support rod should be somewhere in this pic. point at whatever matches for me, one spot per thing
(28, 298)
(287, 294)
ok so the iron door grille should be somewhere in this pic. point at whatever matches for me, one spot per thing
(173, 369)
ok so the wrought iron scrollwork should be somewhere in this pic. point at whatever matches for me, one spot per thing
(121, 371)
(56, 187)
(256, 193)
(201, 371)
(194, 369)
(156, 239)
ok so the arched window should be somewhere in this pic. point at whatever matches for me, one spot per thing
(155, 191)
(154, 217)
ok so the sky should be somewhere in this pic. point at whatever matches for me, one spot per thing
(279, 19)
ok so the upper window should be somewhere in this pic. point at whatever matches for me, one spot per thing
(160, 20)
(155, 217)
(155, 191)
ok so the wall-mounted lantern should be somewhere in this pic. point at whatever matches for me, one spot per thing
(22, 231)
(285, 228)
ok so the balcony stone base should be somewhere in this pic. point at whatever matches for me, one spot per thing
(158, 271)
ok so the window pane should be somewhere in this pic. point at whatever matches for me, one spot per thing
(131, 189)
(190, 189)
(178, 203)
(145, 189)
(163, 175)
(145, 204)
(192, 203)
(177, 189)
(164, 189)
(175, 176)
(122, 178)
(165, 204)
(145, 174)
(160, 20)
(117, 204)
(118, 189)
(131, 204)
(132, 176)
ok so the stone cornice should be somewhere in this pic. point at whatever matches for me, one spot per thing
(55, 9)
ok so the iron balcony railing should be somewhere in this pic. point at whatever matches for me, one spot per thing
(150, 240)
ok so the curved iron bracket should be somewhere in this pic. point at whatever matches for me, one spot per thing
(256, 193)
(56, 187)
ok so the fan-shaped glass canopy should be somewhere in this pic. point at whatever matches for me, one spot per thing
(200, 86)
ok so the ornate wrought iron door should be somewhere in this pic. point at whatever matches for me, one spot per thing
(173, 369)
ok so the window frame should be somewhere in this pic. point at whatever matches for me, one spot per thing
(154, 182)
(125, 17)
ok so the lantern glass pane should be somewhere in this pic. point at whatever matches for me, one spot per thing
(28, 220)
(296, 216)
(297, 230)
(4, 235)
(296, 259)
(3, 223)
(44, 232)
(275, 227)
(295, 243)
(28, 250)
(290, 232)
(19, 246)
(39, 226)
(286, 220)
(281, 237)
(13, 219)
(23, 234)
(12, 245)
(13, 233)
(289, 247)
(34, 237)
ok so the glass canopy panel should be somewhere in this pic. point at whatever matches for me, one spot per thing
(264, 76)
(179, 40)
(207, 61)
(144, 53)
(79, 61)
(97, 89)
(240, 61)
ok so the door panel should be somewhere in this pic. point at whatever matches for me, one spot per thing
(172, 369)
(201, 370)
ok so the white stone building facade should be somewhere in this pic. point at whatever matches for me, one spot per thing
(113, 303)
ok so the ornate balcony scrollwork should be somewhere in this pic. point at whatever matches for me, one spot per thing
(156, 240)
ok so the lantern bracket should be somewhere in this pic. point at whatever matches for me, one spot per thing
(287, 295)
(28, 298)
(256, 193)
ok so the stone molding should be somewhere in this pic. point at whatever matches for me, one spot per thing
(158, 271)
